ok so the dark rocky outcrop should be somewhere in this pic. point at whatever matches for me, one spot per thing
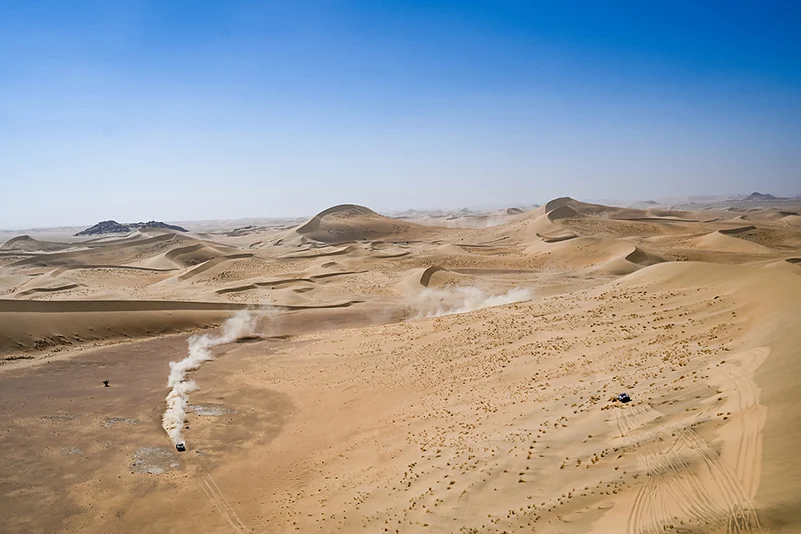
(113, 227)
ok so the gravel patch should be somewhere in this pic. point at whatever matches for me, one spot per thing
(154, 460)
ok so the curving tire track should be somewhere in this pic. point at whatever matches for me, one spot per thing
(687, 479)
(739, 370)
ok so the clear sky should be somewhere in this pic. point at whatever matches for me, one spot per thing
(176, 110)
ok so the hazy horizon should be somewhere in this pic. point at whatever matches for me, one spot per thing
(170, 111)
(486, 207)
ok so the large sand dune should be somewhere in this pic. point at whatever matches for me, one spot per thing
(443, 372)
(349, 222)
(26, 243)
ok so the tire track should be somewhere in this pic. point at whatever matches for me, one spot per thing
(739, 370)
(686, 478)
(664, 466)
(217, 497)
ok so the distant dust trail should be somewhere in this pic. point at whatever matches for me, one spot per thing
(432, 302)
(241, 324)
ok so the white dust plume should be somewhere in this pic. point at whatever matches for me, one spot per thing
(241, 324)
(431, 302)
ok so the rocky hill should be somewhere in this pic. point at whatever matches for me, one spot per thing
(756, 196)
(113, 227)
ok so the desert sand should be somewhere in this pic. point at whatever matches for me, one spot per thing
(431, 373)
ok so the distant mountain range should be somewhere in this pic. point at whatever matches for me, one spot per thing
(113, 227)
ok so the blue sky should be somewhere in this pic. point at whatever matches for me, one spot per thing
(198, 110)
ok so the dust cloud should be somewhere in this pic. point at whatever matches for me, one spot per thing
(241, 324)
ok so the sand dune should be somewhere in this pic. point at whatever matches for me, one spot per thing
(46, 289)
(62, 306)
(568, 205)
(450, 249)
(556, 238)
(614, 256)
(387, 255)
(562, 212)
(113, 253)
(213, 262)
(61, 270)
(792, 220)
(427, 273)
(320, 254)
(192, 255)
(412, 377)
(566, 218)
(349, 222)
(25, 243)
(49, 324)
(283, 282)
(538, 225)
(729, 242)
(737, 231)
(790, 265)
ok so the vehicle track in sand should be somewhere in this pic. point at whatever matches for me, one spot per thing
(687, 479)
(216, 496)
(739, 369)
